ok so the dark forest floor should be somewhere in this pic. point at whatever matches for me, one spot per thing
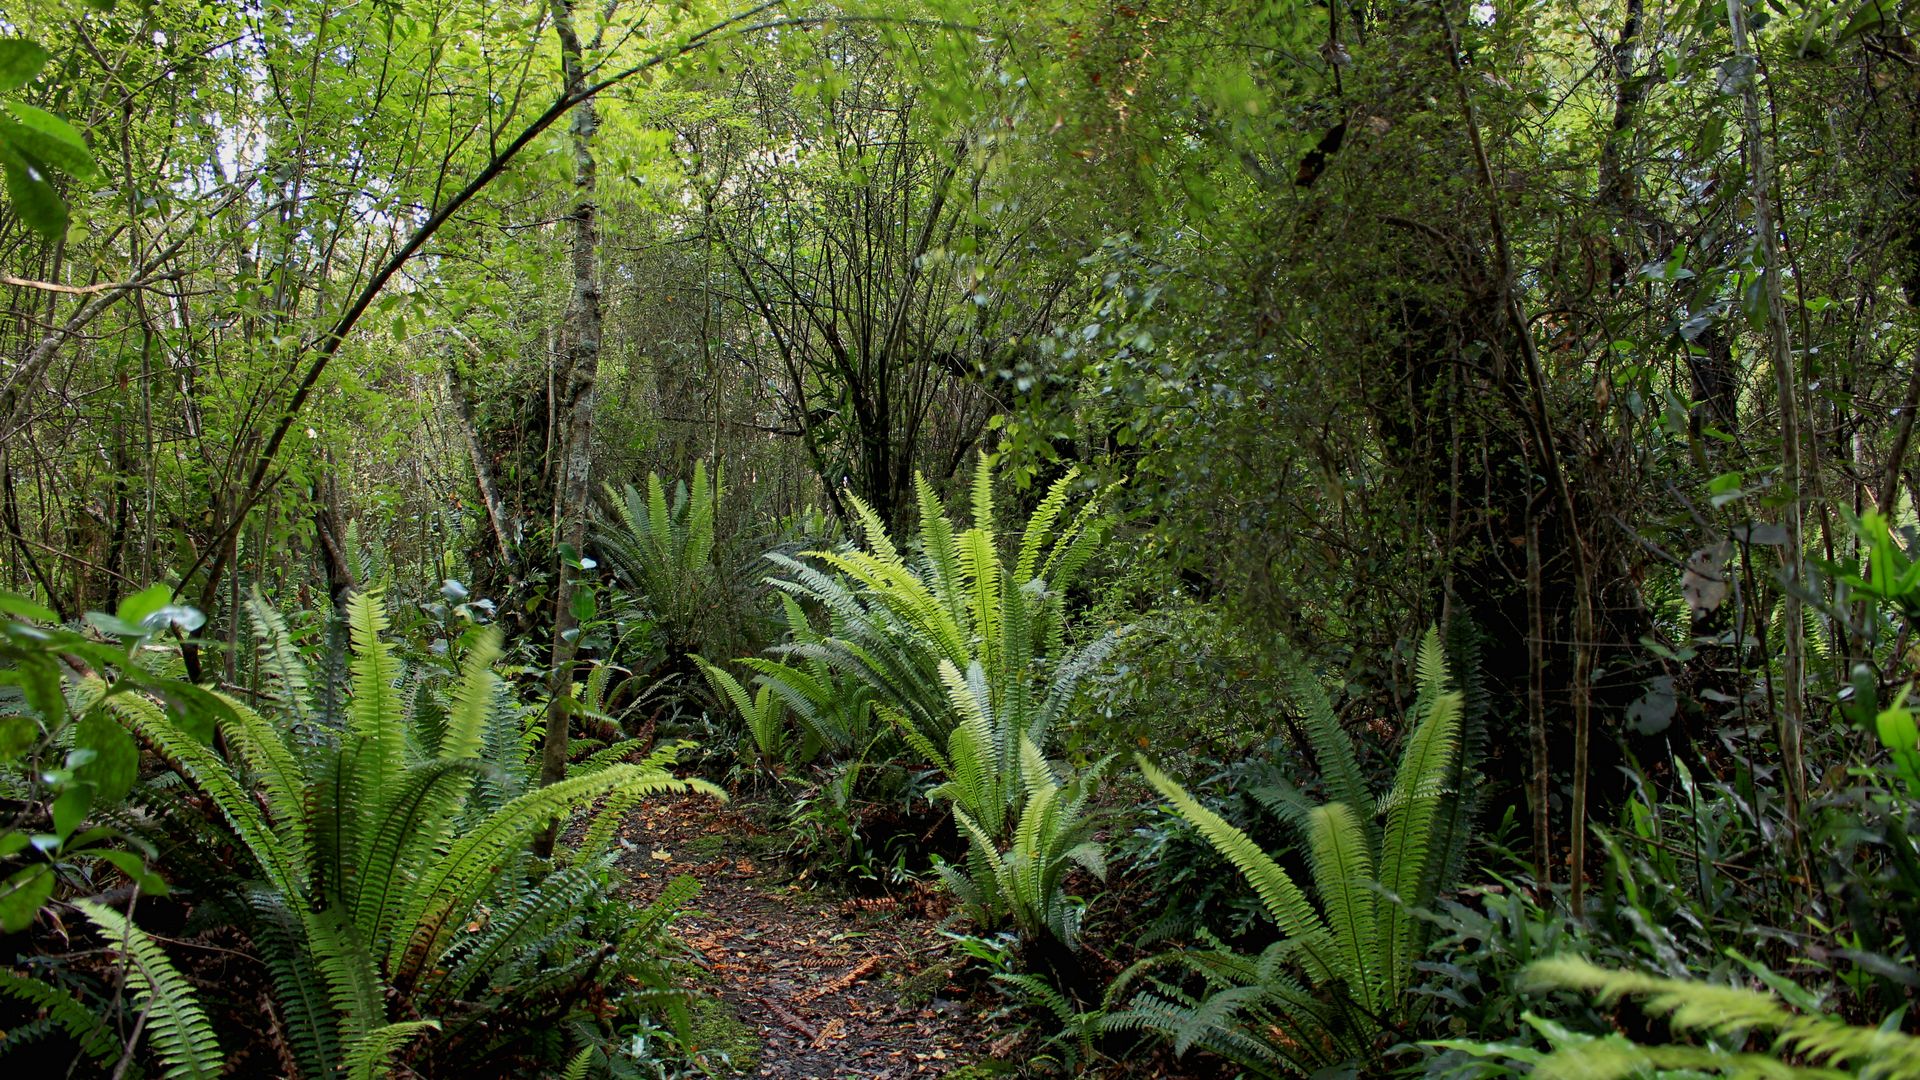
(801, 983)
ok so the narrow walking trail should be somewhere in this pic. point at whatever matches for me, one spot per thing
(817, 986)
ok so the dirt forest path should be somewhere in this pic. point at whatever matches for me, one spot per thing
(818, 987)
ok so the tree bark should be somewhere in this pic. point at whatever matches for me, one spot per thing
(580, 363)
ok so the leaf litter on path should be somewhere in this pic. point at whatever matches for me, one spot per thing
(819, 979)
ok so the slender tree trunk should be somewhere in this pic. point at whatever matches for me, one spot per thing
(505, 531)
(1780, 346)
(580, 360)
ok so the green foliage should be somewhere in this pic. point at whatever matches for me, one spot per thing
(380, 858)
(895, 622)
(1025, 883)
(62, 753)
(64, 1011)
(179, 1028)
(1354, 940)
(662, 546)
(1799, 1042)
(763, 712)
(37, 146)
(966, 654)
(834, 709)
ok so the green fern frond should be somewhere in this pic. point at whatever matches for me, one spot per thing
(1343, 878)
(577, 1068)
(181, 1032)
(279, 657)
(473, 698)
(273, 763)
(1425, 765)
(96, 1040)
(449, 887)
(1332, 748)
(372, 1056)
(299, 988)
(1286, 904)
(1715, 1010)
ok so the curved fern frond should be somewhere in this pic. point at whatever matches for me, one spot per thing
(181, 1033)
(371, 1056)
(1332, 748)
(272, 761)
(1716, 1010)
(96, 1040)
(448, 888)
(1425, 765)
(1285, 903)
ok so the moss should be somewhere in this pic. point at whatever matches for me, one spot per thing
(722, 1044)
(703, 847)
(921, 989)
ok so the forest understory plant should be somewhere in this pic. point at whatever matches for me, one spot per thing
(967, 656)
(391, 893)
(1339, 978)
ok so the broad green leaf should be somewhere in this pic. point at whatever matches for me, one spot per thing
(70, 809)
(49, 139)
(36, 202)
(137, 607)
(116, 757)
(20, 61)
(22, 894)
(16, 734)
(136, 870)
(22, 608)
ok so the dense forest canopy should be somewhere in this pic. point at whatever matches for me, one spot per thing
(823, 539)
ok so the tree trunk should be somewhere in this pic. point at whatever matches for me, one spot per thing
(580, 363)
(1780, 347)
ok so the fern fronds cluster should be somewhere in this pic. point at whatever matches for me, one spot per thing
(393, 885)
(964, 649)
(1341, 972)
(661, 545)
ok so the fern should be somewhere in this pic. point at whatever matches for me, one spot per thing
(1354, 937)
(663, 549)
(964, 652)
(179, 1027)
(1714, 1011)
(62, 1009)
(372, 852)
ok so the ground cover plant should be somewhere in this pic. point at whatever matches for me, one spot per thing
(903, 538)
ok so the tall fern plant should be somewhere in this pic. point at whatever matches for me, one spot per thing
(896, 620)
(391, 890)
(965, 649)
(661, 545)
(1341, 972)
